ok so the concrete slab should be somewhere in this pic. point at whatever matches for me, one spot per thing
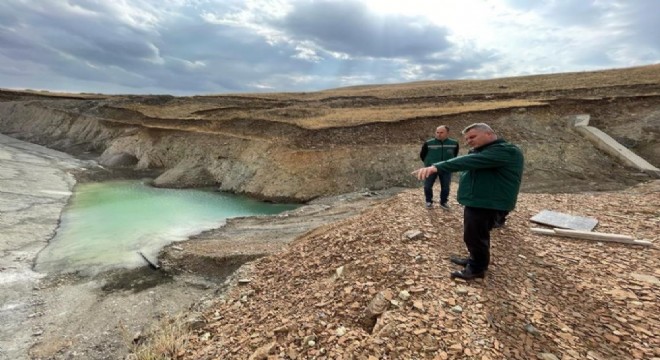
(564, 221)
(610, 146)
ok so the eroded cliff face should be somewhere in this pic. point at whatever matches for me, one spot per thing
(36, 122)
(259, 166)
(296, 147)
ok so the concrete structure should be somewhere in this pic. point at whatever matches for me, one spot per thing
(606, 143)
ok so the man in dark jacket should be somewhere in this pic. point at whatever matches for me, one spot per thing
(488, 188)
(439, 148)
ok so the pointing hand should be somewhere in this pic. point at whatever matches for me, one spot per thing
(423, 173)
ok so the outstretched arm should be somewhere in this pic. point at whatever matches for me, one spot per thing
(424, 172)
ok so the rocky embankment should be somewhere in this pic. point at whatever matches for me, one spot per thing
(376, 286)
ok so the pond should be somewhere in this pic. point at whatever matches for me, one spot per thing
(106, 225)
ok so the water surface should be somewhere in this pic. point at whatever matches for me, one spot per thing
(106, 224)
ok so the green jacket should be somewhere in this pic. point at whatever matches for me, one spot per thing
(435, 150)
(491, 175)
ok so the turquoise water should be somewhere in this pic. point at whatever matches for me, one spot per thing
(106, 224)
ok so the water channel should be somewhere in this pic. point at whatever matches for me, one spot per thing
(106, 225)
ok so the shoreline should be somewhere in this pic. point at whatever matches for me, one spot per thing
(37, 183)
(59, 316)
(64, 316)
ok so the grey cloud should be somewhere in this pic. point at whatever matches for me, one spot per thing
(458, 64)
(106, 42)
(231, 59)
(88, 45)
(12, 41)
(96, 40)
(348, 27)
(639, 18)
(92, 48)
(643, 20)
(122, 52)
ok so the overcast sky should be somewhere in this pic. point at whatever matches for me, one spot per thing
(187, 47)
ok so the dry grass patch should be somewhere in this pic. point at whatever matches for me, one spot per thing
(167, 340)
(324, 117)
(359, 105)
(346, 117)
(533, 83)
(649, 74)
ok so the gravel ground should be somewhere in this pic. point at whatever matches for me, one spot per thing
(362, 289)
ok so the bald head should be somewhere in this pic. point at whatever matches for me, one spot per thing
(441, 132)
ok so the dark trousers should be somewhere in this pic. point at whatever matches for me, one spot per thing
(477, 224)
(500, 219)
(445, 182)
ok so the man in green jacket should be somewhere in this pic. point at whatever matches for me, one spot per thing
(439, 148)
(488, 188)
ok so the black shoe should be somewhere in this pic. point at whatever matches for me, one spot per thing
(467, 274)
(444, 206)
(459, 260)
